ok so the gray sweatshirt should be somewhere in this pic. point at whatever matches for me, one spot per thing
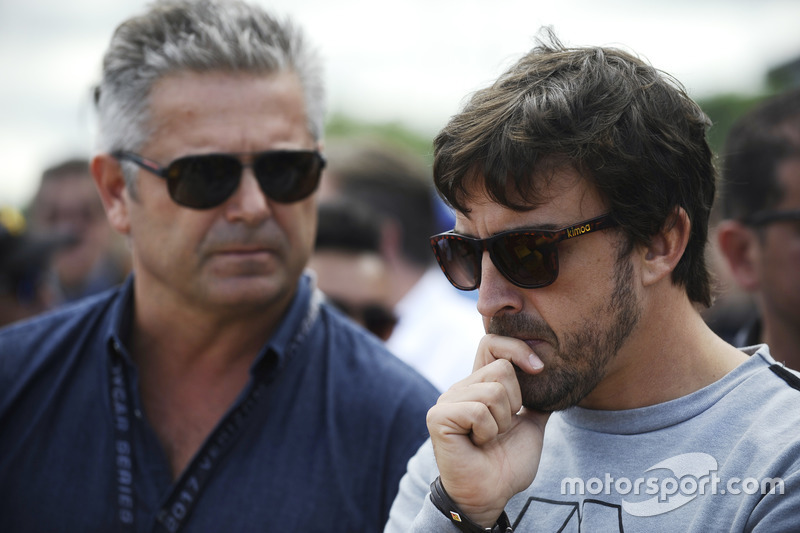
(724, 458)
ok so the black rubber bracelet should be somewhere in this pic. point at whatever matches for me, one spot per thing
(441, 500)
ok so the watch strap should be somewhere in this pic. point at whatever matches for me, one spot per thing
(442, 501)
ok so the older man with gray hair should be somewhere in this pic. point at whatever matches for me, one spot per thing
(212, 391)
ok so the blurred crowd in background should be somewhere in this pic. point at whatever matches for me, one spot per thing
(61, 248)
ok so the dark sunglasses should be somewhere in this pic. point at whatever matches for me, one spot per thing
(207, 180)
(527, 258)
(762, 218)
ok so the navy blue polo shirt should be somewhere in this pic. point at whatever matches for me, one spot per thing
(317, 441)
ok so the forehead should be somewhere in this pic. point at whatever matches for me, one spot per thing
(567, 198)
(223, 110)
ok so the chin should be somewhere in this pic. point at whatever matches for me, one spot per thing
(553, 390)
(248, 292)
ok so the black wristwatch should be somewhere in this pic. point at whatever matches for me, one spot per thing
(442, 501)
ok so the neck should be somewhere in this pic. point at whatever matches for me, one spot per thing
(193, 363)
(670, 354)
(177, 330)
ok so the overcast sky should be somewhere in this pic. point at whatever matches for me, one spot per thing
(411, 61)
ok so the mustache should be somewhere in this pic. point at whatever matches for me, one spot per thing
(521, 326)
(225, 236)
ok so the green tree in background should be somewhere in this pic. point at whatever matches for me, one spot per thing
(340, 126)
(724, 110)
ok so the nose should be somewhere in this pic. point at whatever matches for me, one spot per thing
(496, 294)
(248, 204)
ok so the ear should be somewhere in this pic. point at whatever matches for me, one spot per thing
(738, 244)
(666, 248)
(111, 185)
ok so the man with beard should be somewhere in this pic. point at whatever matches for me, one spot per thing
(600, 400)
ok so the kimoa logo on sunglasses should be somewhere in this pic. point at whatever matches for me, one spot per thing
(580, 230)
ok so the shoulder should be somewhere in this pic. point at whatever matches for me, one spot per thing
(773, 377)
(766, 408)
(787, 377)
(772, 443)
(775, 398)
(34, 332)
(51, 340)
(371, 395)
(363, 362)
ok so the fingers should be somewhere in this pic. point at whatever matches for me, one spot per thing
(485, 404)
(467, 418)
(483, 410)
(482, 405)
(493, 347)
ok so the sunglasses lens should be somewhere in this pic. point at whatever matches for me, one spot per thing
(203, 181)
(288, 176)
(526, 260)
(460, 260)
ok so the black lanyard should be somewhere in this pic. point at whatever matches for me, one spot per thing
(123, 450)
(176, 510)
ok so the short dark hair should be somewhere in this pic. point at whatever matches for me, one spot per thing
(756, 145)
(348, 226)
(628, 128)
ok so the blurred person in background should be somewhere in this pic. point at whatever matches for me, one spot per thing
(27, 285)
(437, 328)
(732, 306)
(349, 266)
(214, 390)
(66, 203)
(759, 236)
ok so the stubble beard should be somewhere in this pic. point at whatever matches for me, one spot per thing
(580, 358)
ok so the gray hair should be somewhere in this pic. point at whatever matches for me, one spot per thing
(197, 36)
